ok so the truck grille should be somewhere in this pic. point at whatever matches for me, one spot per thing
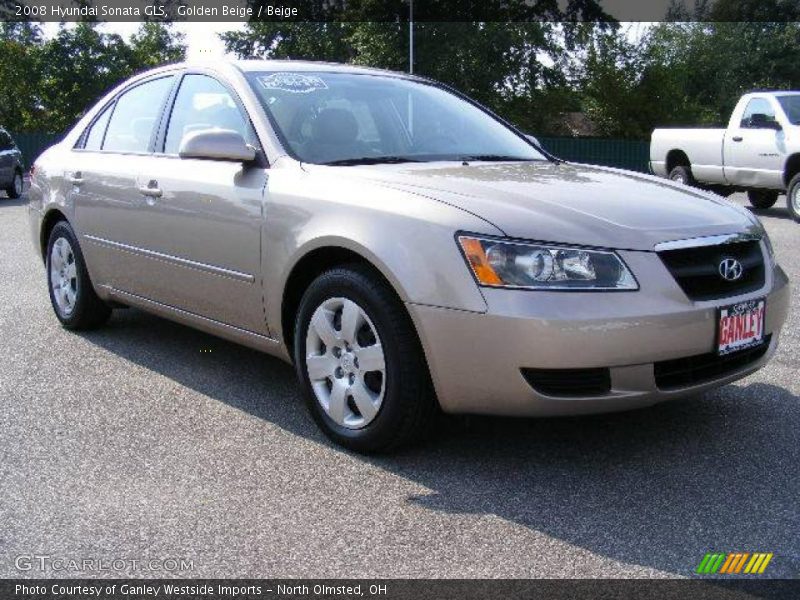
(695, 370)
(697, 269)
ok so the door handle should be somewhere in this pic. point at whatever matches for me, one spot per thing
(151, 189)
(737, 138)
(75, 178)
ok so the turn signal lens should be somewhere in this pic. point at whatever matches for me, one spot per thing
(477, 259)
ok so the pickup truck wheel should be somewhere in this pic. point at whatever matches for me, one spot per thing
(681, 174)
(762, 198)
(360, 361)
(793, 198)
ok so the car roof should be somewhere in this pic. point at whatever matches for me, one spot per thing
(772, 93)
(255, 65)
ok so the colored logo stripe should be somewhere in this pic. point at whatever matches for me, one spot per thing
(711, 563)
(734, 563)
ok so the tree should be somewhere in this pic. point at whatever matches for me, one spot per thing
(684, 73)
(20, 105)
(45, 85)
(156, 44)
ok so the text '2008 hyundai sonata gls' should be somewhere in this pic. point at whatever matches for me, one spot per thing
(405, 248)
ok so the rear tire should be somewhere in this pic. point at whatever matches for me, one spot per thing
(367, 385)
(72, 295)
(681, 174)
(793, 198)
(15, 190)
(762, 198)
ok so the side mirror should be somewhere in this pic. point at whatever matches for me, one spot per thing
(533, 139)
(216, 144)
(762, 121)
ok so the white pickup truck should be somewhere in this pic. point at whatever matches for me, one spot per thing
(758, 153)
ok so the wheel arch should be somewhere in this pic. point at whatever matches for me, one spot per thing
(677, 158)
(315, 260)
(791, 168)
(49, 220)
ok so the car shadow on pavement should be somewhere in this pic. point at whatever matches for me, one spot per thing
(657, 487)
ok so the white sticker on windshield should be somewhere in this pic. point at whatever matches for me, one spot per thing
(296, 83)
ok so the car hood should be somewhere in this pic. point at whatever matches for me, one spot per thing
(568, 203)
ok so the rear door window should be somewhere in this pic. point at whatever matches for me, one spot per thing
(135, 117)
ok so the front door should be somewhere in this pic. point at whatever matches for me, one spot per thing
(755, 152)
(203, 217)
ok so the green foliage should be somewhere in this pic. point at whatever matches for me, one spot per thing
(684, 73)
(45, 85)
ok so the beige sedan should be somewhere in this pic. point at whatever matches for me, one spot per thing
(406, 249)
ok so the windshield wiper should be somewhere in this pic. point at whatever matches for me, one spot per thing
(494, 157)
(370, 160)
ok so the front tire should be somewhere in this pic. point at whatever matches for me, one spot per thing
(681, 174)
(793, 198)
(72, 295)
(15, 190)
(762, 198)
(359, 359)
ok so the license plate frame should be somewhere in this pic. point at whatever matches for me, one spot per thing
(740, 326)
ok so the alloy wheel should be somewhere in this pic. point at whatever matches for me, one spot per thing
(18, 184)
(63, 276)
(345, 363)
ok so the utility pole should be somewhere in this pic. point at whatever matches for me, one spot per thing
(411, 37)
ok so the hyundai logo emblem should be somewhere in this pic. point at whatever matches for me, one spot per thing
(730, 269)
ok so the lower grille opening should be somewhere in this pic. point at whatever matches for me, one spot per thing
(694, 370)
(569, 383)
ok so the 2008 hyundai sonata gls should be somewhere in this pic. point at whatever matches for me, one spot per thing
(404, 247)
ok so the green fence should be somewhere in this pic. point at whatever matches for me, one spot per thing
(625, 154)
(33, 144)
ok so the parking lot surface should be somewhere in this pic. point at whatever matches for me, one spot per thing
(148, 441)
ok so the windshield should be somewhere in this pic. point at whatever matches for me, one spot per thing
(344, 118)
(791, 106)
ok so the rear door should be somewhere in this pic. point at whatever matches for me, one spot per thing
(755, 154)
(101, 180)
(204, 216)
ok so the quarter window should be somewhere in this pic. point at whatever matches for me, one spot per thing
(135, 116)
(203, 103)
(94, 137)
(5, 141)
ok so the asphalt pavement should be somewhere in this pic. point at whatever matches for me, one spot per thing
(148, 441)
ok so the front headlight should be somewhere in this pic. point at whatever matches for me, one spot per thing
(498, 263)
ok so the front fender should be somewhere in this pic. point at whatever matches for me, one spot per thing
(408, 238)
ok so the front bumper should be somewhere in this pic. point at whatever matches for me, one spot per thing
(476, 358)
